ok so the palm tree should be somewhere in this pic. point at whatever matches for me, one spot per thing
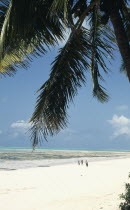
(96, 28)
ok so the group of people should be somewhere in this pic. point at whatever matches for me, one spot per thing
(81, 162)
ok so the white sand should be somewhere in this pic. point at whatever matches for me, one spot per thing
(67, 187)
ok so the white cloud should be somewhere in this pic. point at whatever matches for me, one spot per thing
(119, 121)
(20, 124)
(20, 127)
(122, 107)
(121, 125)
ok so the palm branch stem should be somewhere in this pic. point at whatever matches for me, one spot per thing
(96, 52)
(3, 31)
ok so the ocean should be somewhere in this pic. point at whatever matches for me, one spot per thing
(18, 158)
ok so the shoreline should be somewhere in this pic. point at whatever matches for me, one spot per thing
(9, 165)
(30, 164)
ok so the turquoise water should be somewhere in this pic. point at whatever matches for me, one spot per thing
(15, 158)
(63, 149)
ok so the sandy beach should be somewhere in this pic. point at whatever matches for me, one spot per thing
(65, 187)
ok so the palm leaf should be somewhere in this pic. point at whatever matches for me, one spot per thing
(67, 75)
(27, 31)
(102, 41)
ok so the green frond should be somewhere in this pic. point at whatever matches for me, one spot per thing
(28, 30)
(67, 75)
(102, 44)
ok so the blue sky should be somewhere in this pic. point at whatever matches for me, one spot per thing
(92, 125)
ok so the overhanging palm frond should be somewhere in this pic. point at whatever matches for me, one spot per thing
(67, 75)
(27, 30)
(102, 40)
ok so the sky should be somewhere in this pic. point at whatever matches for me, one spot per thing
(92, 125)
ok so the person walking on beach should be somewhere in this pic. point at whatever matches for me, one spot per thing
(86, 163)
(82, 162)
(78, 162)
